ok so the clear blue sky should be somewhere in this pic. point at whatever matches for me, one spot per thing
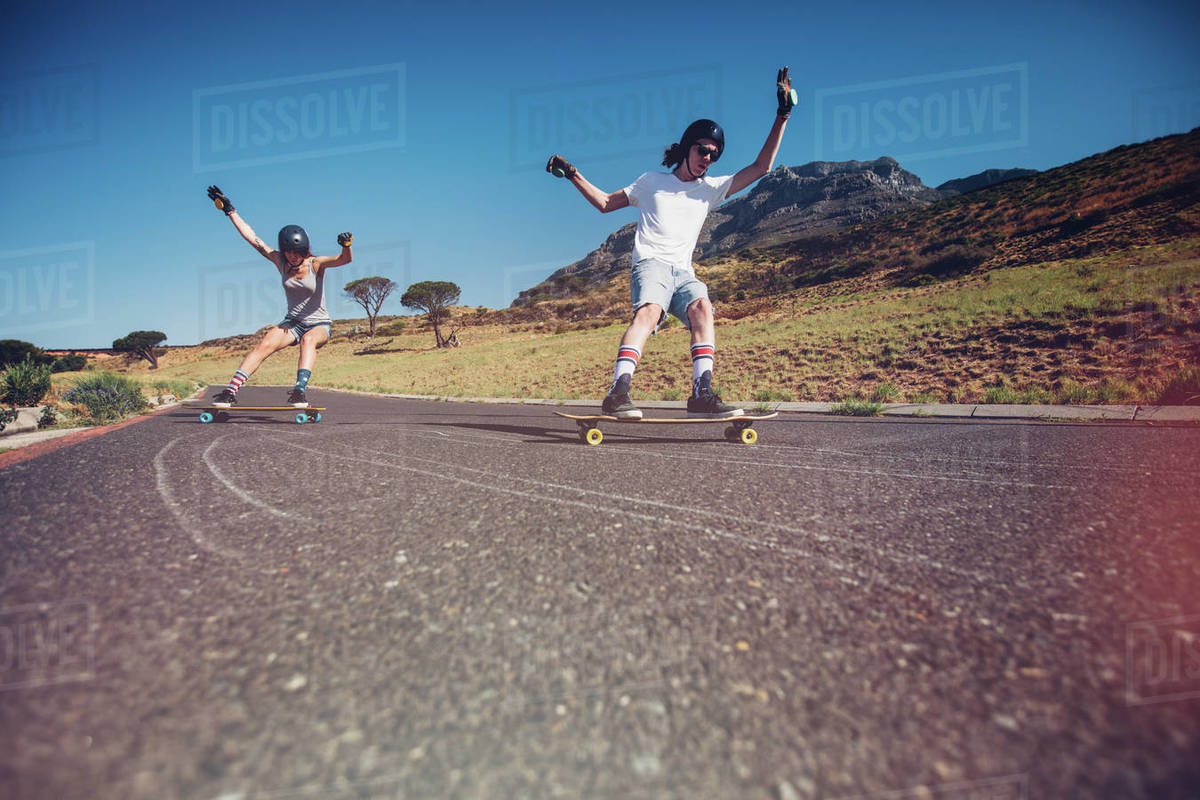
(422, 128)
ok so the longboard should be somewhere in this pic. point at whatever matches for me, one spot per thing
(222, 413)
(740, 429)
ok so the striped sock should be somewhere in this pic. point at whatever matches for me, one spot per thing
(302, 376)
(238, 379)
(702, 362)
(627, 359)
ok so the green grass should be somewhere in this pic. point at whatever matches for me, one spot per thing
(878, 342)
(857, 407)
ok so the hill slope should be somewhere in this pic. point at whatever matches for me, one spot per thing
(788, 202)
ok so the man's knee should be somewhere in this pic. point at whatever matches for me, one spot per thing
(699, 310)
(649, 314)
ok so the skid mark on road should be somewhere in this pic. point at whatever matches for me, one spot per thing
(163, 484)
(242, 494)
(592, 507)
(777, 464)
(624, 502)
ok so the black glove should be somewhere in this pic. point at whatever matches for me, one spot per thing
(346, 239)
(559, 167)
(220, 200)
(785, 93)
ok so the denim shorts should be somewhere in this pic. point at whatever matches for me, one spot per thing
(671, 288)
(298, 329)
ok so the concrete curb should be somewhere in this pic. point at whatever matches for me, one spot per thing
(15, 438)
(27, 420)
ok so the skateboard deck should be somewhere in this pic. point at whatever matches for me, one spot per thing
(222, 413)
(740, 429)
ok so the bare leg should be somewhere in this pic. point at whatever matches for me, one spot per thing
(700, 318)
(275, 340)
(644, 321)
(315, 338)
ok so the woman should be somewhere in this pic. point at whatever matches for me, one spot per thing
(307, 321)
(673, 208)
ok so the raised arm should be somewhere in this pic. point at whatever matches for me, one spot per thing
(604, 202)
(766, 157)
(222, 203)
(345, 240)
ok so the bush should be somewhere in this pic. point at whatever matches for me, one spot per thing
(47, 418)
(14, 351)
(951, 261)
(7, 415)
(885, 393)
(25, 384)
(69, 363)
(1078, 224)
(1181, 389)
(107, 396)
(1000, 395)
(856, 407)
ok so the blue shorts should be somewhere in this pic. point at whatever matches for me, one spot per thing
(672, 289)
(298, 329)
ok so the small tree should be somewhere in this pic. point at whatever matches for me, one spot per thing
(432, 297)
(141, 344)
(370, 294)
(14, 351)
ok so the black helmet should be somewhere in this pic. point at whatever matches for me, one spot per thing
(293, 239)
(703, 129)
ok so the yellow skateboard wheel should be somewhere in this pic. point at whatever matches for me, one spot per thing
(749, 435)
(593, 436)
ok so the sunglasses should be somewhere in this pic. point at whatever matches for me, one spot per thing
(707, 150)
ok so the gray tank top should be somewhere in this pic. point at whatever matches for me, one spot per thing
(306, 298)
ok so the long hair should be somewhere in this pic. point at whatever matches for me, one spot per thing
(674, 155)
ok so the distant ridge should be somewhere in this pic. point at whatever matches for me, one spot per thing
(982, 180)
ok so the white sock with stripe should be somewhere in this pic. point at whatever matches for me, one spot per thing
(627, 360)
(702, 362)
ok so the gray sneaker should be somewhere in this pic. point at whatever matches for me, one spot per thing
(708, 405)
(617, 404)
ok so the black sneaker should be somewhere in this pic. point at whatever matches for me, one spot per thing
(617, 404)
(707, 404)
(225, 398)
(298, 399)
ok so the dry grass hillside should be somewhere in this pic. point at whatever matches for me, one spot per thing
(1079, 284)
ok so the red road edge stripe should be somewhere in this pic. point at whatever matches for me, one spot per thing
(31, 451)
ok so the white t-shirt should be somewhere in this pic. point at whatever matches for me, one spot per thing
(673, 211)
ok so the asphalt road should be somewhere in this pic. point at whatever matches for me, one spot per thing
(414, 599)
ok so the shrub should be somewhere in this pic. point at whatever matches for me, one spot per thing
(951, 261)
(885, 393)
(1000, 394)
(25, 384)
(7, 415)
(47, 418)
(107, 396)
(14, 351)
(857, 407)
(69, 363)
(1181, 389)
(1077, 223)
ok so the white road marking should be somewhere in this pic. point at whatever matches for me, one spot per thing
(237, 490)
(625, 500)
(176, 508)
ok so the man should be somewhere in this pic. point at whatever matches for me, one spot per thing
(673, 208)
